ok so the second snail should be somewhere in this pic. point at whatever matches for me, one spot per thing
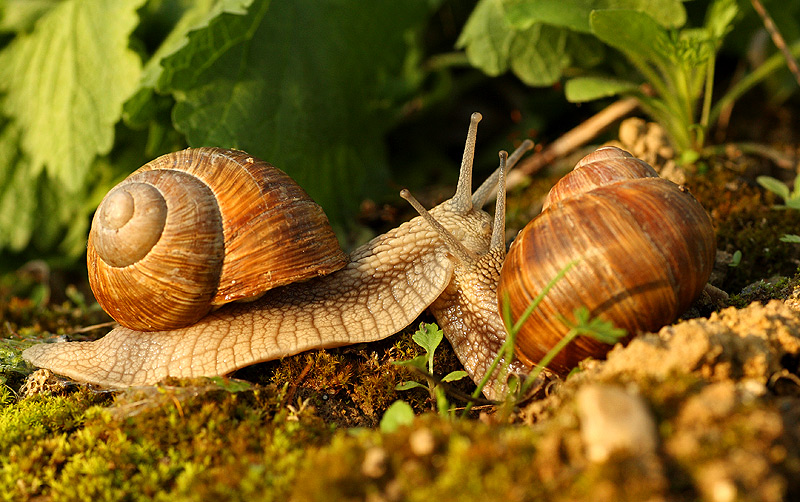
(645, 248)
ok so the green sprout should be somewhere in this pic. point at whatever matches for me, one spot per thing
(791, 198)
(429, 336)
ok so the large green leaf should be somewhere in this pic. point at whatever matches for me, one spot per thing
(574, 14)
(642, 37)
(487, 37)
(144, 105)
(65, 84)
(304, 85)
(581, 89)
(538, 54)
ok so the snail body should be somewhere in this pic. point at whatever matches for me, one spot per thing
(448, 259)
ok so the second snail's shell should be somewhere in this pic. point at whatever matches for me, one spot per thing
(199, 228)
(645, 249)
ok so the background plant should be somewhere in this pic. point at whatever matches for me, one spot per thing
(92, 89)
(653, 50)
(791, 198)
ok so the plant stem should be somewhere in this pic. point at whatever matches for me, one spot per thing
(572, 139)
(506, 352)
(777, 38)
(708, 92)
(772, 64)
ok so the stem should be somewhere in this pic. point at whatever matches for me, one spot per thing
(772, 64)
(572, 139)
(506, 352)
(777, 39)
(779, 158)
(541, 365)
(708, 91)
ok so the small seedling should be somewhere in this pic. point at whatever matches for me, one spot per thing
(429, 336)
(791, 198)
(736, 259)
(584, 325)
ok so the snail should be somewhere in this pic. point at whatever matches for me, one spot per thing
(447, 259)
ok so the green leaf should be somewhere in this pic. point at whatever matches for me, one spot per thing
(428, 336)
(284, 83)
(487, 37)
(409, 385)
(398, 414)
(582, 89)
(538, 55)
(791, 238)
(454, 375)
(65, 84)
(633, 33)
(775, 186)
(143, 105)
(417, 362)
(18, 16)
(231, 384)
(720, 16)
(599, 329)
(574, 14)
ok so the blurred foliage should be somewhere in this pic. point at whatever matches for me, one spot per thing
(651, 49)
(331, 91)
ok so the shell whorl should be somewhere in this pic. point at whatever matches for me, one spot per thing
(132, 209)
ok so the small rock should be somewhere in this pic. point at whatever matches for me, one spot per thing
(374, 464)
(613, 420)
(422, 442)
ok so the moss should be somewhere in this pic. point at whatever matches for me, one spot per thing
(745, 221)
(778, 288)
(186, 442)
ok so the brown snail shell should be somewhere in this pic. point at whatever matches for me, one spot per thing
(645, 248)
(186, 232)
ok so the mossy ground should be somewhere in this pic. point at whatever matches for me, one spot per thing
(306, 427)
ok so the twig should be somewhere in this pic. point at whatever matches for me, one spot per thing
(293, 388)
(777, 38)
(780, 159)
(572, 139)
(93, 327)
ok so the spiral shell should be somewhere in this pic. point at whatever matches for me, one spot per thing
(199, 228)
(645, 249)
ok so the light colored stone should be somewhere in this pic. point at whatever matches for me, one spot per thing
(614, 420)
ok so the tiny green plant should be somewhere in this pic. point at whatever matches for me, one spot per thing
(736, 259)
(791, 198)
(429, 336)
